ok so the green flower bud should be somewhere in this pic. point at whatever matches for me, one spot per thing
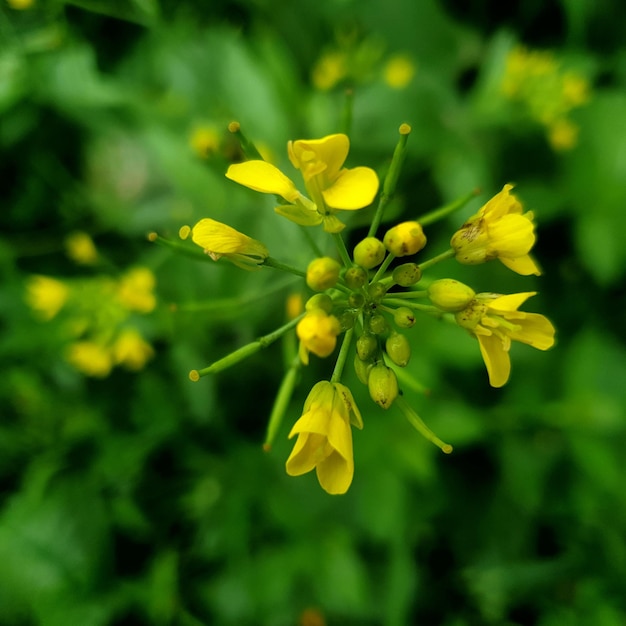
(356, 300)
(404, 317)
(398, 349)
(319, 301)
(471, 316)
(322, 273)
(407, 274)
(362, 369)
(376, 291)
(378, 324)
(383, 385)
(450, 295)
(355, 277)
(405, 239)
(346, 319)
(366, 346)
(369, 253)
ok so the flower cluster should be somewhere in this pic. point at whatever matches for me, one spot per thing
(547, 92)
(98, 318)
(369, 299)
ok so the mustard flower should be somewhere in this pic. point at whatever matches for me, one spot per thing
(46, 296)
(219, 240)
(135, 290)
(330, 186)
(317, 332)
(499, 230)
(90, 358)
(131, 350)
(325, 437)
(81, 248)
(495, 321)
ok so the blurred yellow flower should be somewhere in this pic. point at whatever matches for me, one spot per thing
(325, 437)
(81, 248)
(219, 240)
(500, 230)
(317, 332)
(331, 187)
(46, 296)
(90, 358)
(495, 321)
(20, 5)
(204, 140)
(330, 69)
(399, 71)
(135, 290)
(563, 135)
(131, 350)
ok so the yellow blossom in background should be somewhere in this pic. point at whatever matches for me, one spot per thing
(46, 296)
(317, 332)
(20, 5)
(136, 290)
(330, 69)
(325, 437)
(91, 358)
(131, 350)
(294, 305)
(331, 187)
(500, 230)
(495, 321)
(81, 248)
(399, 71)
(204, 140)
(219, 240)
(563, 135)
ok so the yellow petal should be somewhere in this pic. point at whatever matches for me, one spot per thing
(524, 265)
(264, 177)
(353, 189)
(302, 458)
(335, 473)
(511, 235)
(536, 331)
(496, 359)
(353, 410)
(221, 239)
(501, 204)
(511, 302)
(327, 154)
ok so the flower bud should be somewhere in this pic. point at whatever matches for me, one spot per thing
(366, 346)
(362, 369)
(346, 319)
(322, 273)
(405, 239)
(450, 295)
(356, 300)
(398, 349)
(404, 317)
(376, 291)
(471, 316)
(383, 385)
(319, 301)
(378, 324)
(369, 253)
(407, 274)
(355, 277)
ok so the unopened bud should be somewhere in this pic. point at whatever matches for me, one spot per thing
(322, 273)
(355, 277)
(376, 291)
(383, 385)
(346, 319)
(362, 369)
(319, 301)
(450, 295)
(471, 316)
(398, 349)
(369, 253)
(378, 324)
(356, 300)
(366, 346)
(404, 317)
(407, 274)
(405, 239)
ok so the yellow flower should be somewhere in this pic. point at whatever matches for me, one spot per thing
(330, 68)
(317, 332)
(499, 230)
(563, 135)
(495, 321)
(325, 437)
(135, 290)
(219, 240)
(204, 140)
(399, 71)
(81, 249)
(90, 358)
(46, 296)
(131, 350)
(331, 187)
(20, 5)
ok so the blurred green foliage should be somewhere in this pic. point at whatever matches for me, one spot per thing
(143, 498)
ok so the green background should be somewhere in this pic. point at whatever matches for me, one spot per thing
(143, 498)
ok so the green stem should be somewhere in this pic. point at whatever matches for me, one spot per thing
(341, 248)
(244, 351)
(446, 210)
(448, 254)
(277, 265)
(249, 149)
(383, 268)
(312, 243)
(427, 308)
(391, 179)
(416, 421)
(180, 248)
(409, 294)
(348, 106)
(343, 355)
